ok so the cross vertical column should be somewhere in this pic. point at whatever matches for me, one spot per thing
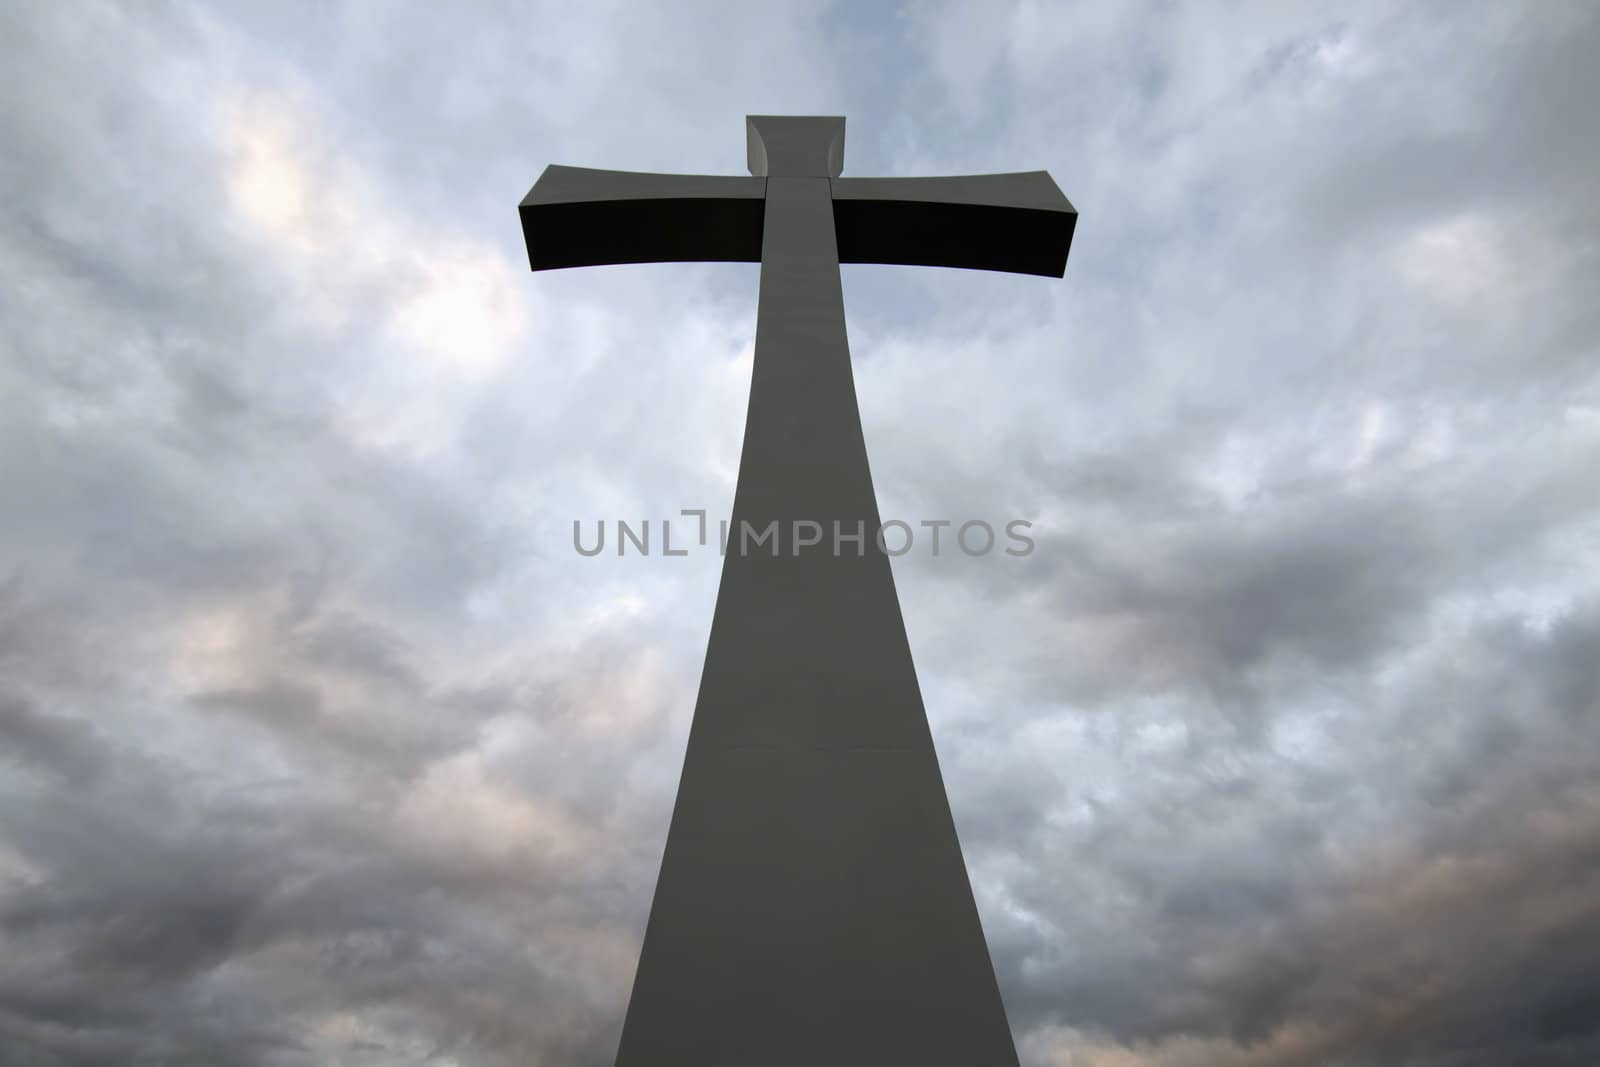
(812, 905)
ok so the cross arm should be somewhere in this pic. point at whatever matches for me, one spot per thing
(1007, 222)
(578, 217)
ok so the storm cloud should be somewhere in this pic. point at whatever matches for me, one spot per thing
(320, 744)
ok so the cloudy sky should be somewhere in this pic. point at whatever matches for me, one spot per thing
(319, 745)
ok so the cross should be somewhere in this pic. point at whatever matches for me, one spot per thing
(812, 905)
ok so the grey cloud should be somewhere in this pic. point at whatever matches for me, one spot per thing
(50, 743)
(1276, 751)
(1466, 933)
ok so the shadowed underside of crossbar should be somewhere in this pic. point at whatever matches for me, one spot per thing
(578, 217)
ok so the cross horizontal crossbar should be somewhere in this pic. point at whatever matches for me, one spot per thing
(579, 217)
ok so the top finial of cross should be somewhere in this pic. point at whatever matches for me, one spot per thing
(795, 146)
